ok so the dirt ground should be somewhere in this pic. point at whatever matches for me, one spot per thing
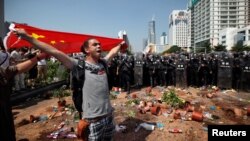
(216, 106)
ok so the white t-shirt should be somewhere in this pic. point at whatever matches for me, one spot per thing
(42, 62)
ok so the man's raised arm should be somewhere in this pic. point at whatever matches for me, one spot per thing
(46, 48)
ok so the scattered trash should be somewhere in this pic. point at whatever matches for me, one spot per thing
(175, 130)
(61, 125)
(171, 120)
(61, 133)
(213, 108)
(160, 125)
(71, 135)
(155, 110)
(208, 115)
(205, 128)
(165, 114)
(55, 109)
(197, 116)
(43, 118)
(177, 115)
(221, 122)
(120, 128)
(33, 118)
(146, 126)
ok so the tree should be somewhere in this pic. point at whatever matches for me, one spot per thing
(238, 47)
(173, 49)
(220, 47)
(205, 47)
(247, 48)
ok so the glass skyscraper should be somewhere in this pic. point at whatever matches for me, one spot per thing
(151, 32)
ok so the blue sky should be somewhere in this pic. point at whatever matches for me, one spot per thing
(96, 17)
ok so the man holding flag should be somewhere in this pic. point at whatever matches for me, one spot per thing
(96, 105)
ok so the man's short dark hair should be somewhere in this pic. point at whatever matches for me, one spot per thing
(85, 45)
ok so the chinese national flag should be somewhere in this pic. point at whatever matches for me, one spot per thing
(66, 42)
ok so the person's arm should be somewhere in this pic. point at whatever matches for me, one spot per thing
(27, 65)
(113, 52)
(46, 48)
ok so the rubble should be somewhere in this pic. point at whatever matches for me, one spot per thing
(159, 118)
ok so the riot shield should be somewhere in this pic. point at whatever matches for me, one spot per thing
(181, 79)
(138, 73)
(245, 77)
(224, 74)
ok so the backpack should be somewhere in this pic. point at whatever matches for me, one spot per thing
(77, 81)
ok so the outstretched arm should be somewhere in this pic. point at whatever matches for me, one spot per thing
(113, 52)
(27, 65)
(48, 49)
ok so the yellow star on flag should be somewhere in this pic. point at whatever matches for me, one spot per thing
(62, 41)
(53, 42)
(36, 36)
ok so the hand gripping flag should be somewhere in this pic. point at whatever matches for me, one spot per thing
(66, 42)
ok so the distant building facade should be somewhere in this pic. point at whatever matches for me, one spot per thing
(208, 17)
(123, 35)
(163, 39)
(231, 36)
(178, 28)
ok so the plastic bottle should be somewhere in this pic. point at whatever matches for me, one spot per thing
(147, 126)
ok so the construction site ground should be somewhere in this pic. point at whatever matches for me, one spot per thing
(220, 107)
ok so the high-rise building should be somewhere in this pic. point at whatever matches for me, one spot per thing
(2, 31)
(248, 12)
(123, 35)
(178, 28)
(190, 39)
(163, 39)
(208, 17)
(151, 32)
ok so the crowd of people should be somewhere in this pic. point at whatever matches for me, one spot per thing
(97, 109)
(225, 70)
(26, 80)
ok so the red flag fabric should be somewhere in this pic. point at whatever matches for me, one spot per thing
(64, 41)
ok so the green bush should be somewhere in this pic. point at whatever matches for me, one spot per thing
(55, 70)
(172, 99)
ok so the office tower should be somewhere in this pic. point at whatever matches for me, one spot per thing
(163, 39)
(178, 28)
(190, 39)
(248, 12)
(122, 34)
(151, 32)
(210, 16)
